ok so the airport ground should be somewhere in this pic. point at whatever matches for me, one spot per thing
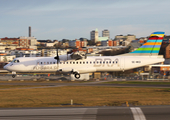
(31, 97)
(88, 113)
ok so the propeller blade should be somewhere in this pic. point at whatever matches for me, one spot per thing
(57, 57)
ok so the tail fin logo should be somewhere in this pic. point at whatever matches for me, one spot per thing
(152, 46)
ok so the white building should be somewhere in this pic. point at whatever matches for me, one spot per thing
(26, 53)
(49, 44)
(7, 58)
(53, 52)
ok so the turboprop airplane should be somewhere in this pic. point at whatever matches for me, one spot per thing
(78, 63)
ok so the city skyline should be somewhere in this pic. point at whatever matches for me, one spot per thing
(55, 19)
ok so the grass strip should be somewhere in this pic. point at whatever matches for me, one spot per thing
(138, 82)
(86, 95)
(17, 86)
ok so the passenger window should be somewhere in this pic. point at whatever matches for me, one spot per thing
(70, 62)
(53, 62)
(50, 62)
(77, 62)
(87, 62)
(41, 63)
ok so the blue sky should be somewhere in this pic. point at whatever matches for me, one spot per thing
(72, 19)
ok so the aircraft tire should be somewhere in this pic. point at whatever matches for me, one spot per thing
(13, 76)
(77, 75)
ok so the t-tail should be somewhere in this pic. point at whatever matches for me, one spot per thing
(151, 47)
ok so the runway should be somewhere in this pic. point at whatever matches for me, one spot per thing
(88, 113)
(94, 83)
(30, 81)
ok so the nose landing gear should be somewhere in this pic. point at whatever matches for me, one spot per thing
(13, 74)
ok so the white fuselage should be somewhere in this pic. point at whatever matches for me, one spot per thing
(90, 64)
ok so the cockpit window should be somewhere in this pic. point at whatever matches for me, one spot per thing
(15, 61)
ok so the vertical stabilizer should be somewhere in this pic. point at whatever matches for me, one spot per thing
(151, 47)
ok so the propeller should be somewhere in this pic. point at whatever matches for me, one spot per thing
(57, 58)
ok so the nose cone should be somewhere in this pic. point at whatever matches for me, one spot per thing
(5, 67)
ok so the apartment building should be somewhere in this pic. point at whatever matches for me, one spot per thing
(106, 33)
(94, 35)
(21, 42)
(78, 43)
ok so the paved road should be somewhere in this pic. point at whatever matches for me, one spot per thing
(89, 113)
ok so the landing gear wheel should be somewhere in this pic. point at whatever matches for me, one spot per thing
(13, 76)
(77, 75)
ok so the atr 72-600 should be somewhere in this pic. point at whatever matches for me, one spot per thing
(78, 64)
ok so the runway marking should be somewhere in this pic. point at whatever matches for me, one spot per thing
(137, 113)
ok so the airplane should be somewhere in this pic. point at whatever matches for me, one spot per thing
(78, 63)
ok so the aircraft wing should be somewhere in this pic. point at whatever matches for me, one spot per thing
(78, 70)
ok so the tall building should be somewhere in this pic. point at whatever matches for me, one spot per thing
(94, 35)
(105, 33)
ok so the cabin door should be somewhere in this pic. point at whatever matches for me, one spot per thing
(122, 63)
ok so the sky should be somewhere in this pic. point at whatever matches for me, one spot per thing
(73, 19)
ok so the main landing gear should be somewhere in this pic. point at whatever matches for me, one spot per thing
(77, 75)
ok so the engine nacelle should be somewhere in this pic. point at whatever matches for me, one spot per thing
(66, 70)
(78, 55)
(69, 70)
